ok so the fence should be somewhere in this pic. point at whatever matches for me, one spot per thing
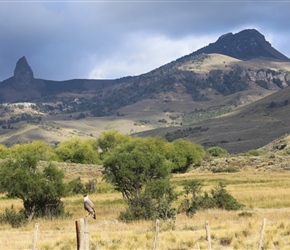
(82, 235)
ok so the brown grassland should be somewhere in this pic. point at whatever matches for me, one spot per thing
(265, 194)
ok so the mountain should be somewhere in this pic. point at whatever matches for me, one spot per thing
(23, 87)
(245, 45)
(235, 71)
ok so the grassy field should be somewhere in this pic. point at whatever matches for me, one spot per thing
(265, 194)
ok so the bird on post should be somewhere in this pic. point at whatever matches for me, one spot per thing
(89, 206)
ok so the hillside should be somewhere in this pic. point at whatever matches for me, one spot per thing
(178, 96)
(249, 127)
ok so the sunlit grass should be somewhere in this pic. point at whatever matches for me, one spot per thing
(264, 194)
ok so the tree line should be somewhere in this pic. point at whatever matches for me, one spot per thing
(139, 168)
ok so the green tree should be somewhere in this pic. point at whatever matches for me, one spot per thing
(141, 173)
(39, 149)
(78, 151)
(183, 153)
(3, 151)
(111, 139)
(39, 189)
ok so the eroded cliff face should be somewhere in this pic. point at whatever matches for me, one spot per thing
(239, 78)
(272, 79)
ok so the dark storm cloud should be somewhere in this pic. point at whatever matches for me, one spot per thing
(98, 39)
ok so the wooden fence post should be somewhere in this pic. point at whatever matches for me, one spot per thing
(262, 234)
(156, 235)
(197, 246)
(87, 233)
(208, 234)
(82, 231)
(35, 236)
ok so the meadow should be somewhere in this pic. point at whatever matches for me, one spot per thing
(265, 194)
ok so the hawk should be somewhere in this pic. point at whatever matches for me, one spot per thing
(89, 206)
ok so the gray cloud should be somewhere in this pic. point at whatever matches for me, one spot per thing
(65, 40)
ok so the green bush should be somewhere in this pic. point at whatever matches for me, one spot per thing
(226, 241)
(138, 209)
(229, 169)
(223, 199)
(12, 217)
(206, 202)
(90, 186)
(182, 154)
(216, 151)
(254, 152)
(77, 187)
(195, 201)
(78, 151)
(245, 214)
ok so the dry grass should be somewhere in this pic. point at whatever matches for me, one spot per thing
(212, 62)
(222, 62)
(264, 194)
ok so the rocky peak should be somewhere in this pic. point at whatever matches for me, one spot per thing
(23, 74)
(246, 44)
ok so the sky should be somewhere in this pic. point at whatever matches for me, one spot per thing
(64, 40)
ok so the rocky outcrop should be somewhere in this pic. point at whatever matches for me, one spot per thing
(23, 74)
(271, 79)
(246, 44)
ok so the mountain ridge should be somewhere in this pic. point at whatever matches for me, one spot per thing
(166, 76)
(197, 86)
(245, 45)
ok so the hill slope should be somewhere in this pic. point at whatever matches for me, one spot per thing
(249, 127)
(236, 70)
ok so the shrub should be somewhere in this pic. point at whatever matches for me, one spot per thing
(182, 154)
(78, 151)
(216, 151)
(219, 198)
(254, 152)
(76, 186)
(223, 199)
(226, 241)
(194, 200)
(90, 186)
(206, 201)
(15, 219)
(245, 214)
(138, 209)
(229, 169)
